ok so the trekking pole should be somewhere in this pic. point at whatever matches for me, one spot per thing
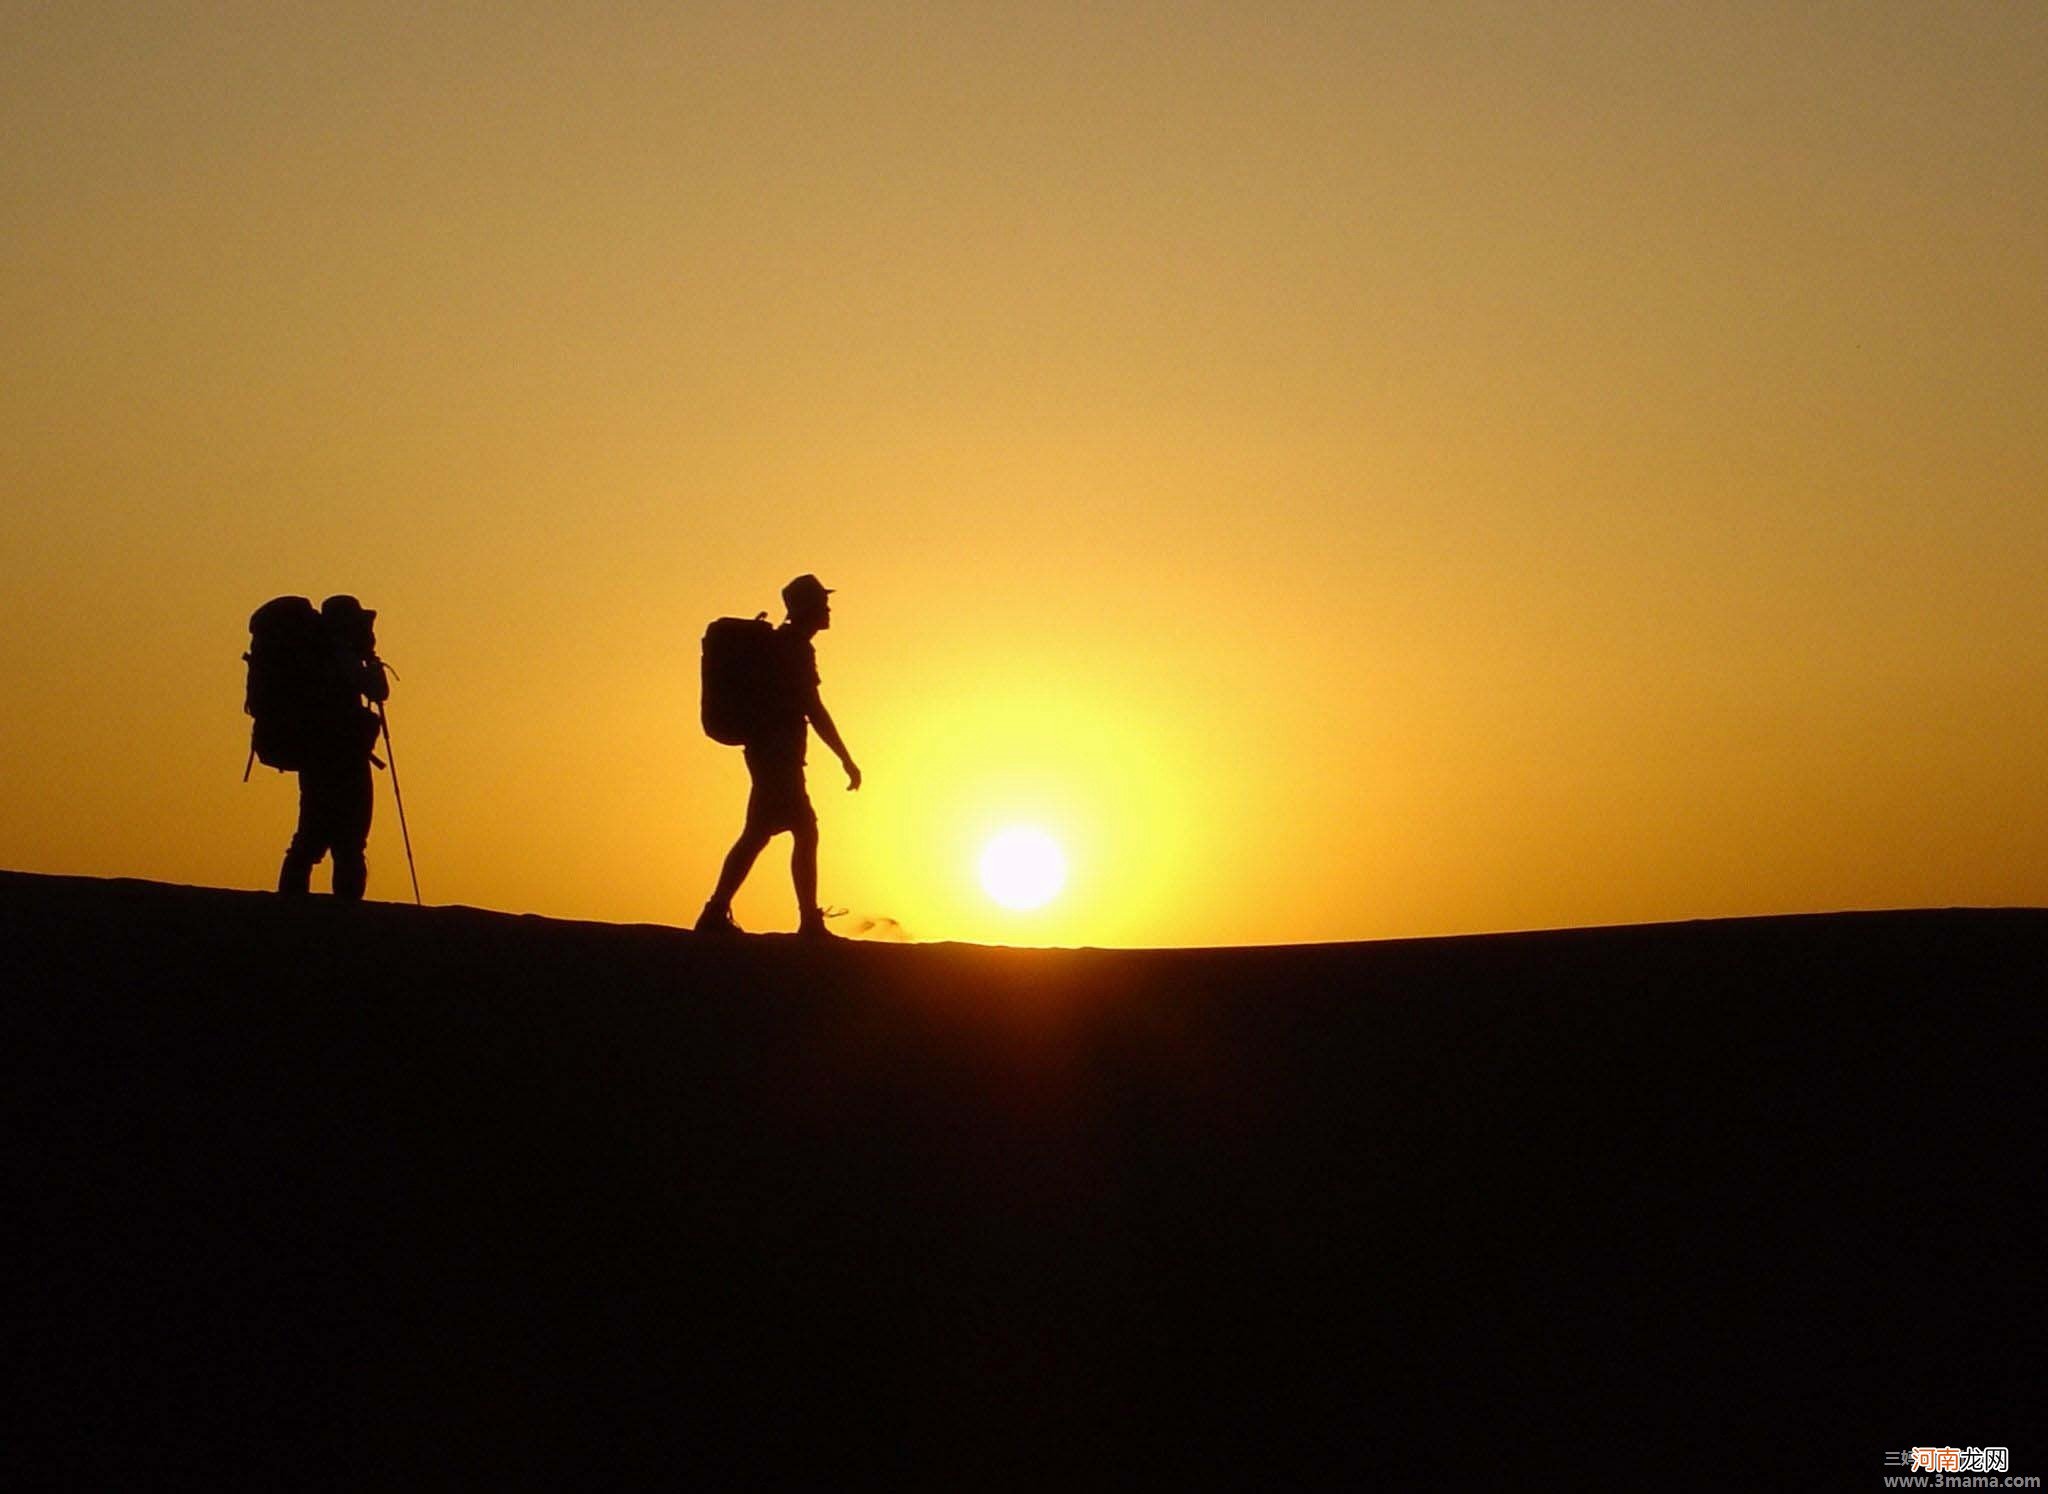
(391, 752)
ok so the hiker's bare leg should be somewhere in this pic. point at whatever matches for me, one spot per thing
(803, 871)
(738, 862)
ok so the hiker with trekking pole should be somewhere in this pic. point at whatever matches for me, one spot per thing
(316, 691)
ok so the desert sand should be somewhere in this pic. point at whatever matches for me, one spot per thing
(315, 1195)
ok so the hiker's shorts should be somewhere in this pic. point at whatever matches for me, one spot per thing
(778, 800)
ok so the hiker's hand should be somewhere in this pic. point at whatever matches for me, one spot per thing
(852, 775)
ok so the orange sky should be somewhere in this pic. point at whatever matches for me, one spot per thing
(1345, 471)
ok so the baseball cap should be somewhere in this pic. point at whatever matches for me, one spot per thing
(805, 588)
(344, 605)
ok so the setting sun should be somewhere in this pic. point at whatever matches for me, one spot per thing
(1023, 869)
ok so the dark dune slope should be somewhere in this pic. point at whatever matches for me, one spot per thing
(316, 1193)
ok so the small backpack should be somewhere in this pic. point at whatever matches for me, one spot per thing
(739, 678)
(291, 681)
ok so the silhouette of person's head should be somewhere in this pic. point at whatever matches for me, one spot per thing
(352, 622)
(806, 600)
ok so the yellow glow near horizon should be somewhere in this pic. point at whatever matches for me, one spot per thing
(1022, 868)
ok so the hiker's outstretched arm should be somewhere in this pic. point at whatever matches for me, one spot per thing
(829, 735)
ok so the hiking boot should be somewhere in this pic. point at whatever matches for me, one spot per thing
(351, 877)
(812, 926)
(716, 921)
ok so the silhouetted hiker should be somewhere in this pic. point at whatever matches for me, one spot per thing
(761, 692)
(309, 674)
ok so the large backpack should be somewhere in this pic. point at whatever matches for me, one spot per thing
(291, 681)
(739, 678)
